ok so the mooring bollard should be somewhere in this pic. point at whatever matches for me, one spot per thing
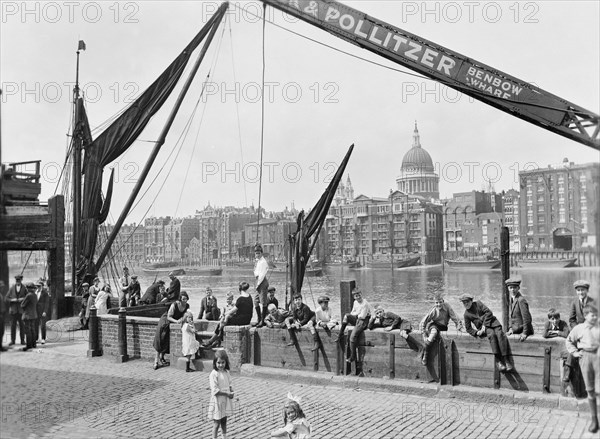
(94, 334)
(122, 336)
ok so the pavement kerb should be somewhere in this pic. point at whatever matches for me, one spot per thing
(467, 393)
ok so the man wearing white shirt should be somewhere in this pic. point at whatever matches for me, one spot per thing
(359, 317)
(261, 268)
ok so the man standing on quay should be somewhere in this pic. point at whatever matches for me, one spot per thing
(15, 296)
(261, 267)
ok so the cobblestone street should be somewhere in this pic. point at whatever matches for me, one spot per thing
(57, 392)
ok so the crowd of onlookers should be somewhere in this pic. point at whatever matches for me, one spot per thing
(28, 307)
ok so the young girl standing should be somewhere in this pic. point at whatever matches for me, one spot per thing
(221, 393)
(189, 344)
(296, 424)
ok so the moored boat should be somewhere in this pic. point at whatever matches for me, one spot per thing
(473, 265)
(345, 264)
(203, 270)
(159, 265)
(164, 271)
(309, 272)
(547, 262)
(409, 262)
(399, 263)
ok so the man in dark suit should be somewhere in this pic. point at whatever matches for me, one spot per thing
(520, 317)
(153, 292)
(43, 309)
(555, 327)
(29, 307)
(134, 292)
(173, 290)
(209, 309)
(480, 322)
(576, 312)
(15, 296)
(3, 310)
(271, 297)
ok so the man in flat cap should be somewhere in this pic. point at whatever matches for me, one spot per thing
(29, 306)
(134, 291)
(576, 312)
(3, 309)
(172, 293)
(480, 322)
(271, 299)
(209, 309)
(153, 292)
(261, 268)
(15, 296)
(389, 321)
(43, 310)
(124, 288)
(324, 314)
(520, 317)
(576, 317)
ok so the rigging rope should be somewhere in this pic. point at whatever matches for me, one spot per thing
(262, 122)
(26, 262)
(212, 68)
(237, 111)
(179, 143)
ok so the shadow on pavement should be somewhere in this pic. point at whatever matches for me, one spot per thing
(33, 400)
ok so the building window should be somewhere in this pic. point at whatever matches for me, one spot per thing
(530, 242)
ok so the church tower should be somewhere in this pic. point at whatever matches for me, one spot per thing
(417, 174)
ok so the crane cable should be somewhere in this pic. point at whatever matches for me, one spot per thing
(262, 121)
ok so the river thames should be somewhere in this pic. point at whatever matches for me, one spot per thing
(408, 291)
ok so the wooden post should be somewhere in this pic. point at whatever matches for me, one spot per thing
(505, 264)
(122, 336)
(392, 355)
(94, 346)
(340, 360)
(56, 257)
(547, 361)
(346, 299)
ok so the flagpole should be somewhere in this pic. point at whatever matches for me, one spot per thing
(76, 178)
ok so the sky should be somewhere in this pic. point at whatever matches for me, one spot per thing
(319, 98)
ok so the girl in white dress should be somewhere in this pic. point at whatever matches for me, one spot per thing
(101, 300)
(189, 344)
(296, 425)
(221, 393)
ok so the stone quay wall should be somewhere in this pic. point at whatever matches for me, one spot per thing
(456, 359)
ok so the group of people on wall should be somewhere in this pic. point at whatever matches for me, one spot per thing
(28, 306)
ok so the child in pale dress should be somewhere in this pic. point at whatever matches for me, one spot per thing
(296, 425)
(189, 344)
(221, 393)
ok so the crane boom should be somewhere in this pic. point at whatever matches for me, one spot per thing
(484, 83)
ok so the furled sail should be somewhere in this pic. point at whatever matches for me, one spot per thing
(308, 227)
(115, 141)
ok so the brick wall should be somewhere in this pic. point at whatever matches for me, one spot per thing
(140, 336)
(458, 359)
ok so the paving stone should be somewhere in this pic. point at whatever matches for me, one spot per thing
(57, 392)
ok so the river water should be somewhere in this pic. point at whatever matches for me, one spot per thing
(408, 291)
